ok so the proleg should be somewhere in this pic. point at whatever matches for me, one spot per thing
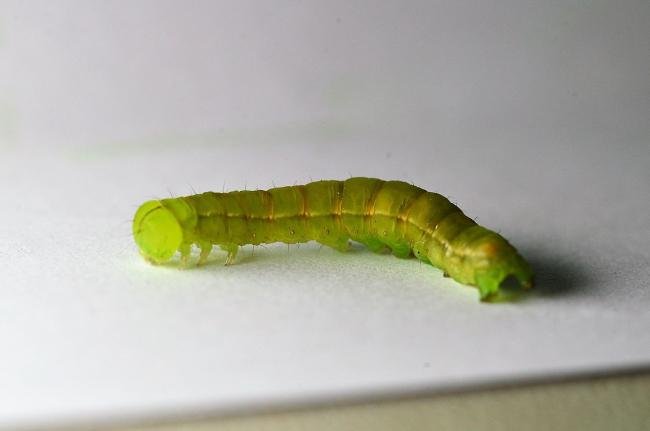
(382, 215)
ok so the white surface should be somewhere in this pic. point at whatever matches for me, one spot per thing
(533, 120)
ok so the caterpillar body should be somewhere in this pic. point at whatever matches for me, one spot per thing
(382, 215)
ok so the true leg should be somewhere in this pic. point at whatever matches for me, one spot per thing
(206, 248)
(231, 249)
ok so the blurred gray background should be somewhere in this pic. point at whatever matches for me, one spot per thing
(98, 72)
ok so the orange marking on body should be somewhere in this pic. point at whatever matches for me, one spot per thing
(490, 249)
(303, 194)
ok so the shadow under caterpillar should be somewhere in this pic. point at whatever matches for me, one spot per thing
(394, 215)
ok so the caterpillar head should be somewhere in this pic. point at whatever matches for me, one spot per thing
(159, 228)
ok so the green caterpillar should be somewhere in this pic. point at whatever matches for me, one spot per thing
(379, 214)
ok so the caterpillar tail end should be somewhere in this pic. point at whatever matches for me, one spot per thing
(505, 287)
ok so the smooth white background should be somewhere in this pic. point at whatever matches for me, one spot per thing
(531, 116)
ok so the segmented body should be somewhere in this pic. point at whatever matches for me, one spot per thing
(393, 215)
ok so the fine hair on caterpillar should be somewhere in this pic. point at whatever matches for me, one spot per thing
(382, 215)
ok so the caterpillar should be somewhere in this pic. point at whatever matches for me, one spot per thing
(382, 215)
